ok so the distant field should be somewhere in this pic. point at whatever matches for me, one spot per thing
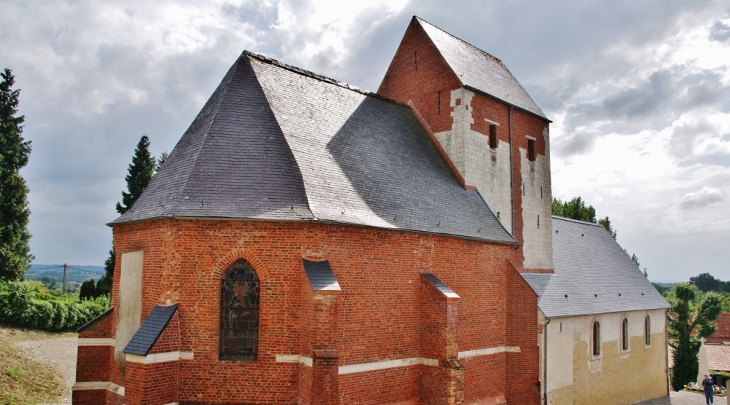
(75, 274)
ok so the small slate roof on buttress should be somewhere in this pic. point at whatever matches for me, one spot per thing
(275, 142)
(593, 275)
(151, 330)
(480, 70)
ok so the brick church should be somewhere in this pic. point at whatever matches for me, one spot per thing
(308, 242)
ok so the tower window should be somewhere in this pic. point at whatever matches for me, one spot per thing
(438, 103)
(415, 59)
(625, 334)
(538, 222)
(493, 141)
(531, 150)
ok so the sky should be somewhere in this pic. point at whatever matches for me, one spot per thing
(639, 95)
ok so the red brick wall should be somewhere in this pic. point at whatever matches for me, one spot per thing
(89, 397)
(93, 363)
(378, 315)
(402, 82)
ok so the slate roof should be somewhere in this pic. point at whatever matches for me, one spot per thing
(95, 320)
(480, 70)
(151, 330)
(594, 272)
(275, 142)
(440, 285)
(320, 275)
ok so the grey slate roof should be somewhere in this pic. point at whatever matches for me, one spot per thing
(594, 272)
(151, 330)
(95, 320)
(480, 70)
(440, 285)
(320, 275)
(278, 143)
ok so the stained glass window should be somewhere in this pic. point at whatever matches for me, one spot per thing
(239, 312)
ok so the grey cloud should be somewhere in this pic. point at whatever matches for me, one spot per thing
(720, 31)
(577, 144)
(633, 103)
(683, 137)
(701, 198)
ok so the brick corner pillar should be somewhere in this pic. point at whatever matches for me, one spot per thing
(442, 383)
(325, 376)
(95, 353)
(523, 356)
(321, 335)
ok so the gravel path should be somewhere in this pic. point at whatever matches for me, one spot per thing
(60, 353)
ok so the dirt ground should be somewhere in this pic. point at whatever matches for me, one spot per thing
(36, 367)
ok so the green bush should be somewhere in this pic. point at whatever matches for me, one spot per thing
(24, 304)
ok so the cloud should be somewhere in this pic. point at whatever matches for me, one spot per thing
(704, 197)
(720, 30)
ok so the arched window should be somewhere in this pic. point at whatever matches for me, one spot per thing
(647, 331)
(596, 338)
(625, 334)
(239, 319)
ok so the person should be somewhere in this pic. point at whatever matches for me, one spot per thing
(709, 387)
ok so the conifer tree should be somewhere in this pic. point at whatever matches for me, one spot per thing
(139, 175)
(15, 254)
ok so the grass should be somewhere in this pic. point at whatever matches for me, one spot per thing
(24, 380)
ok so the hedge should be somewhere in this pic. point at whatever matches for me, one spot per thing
(23, 304)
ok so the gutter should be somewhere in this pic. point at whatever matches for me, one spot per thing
(544, 364)
(511, 170)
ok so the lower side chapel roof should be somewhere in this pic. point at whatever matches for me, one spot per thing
(593, 275)
(275, 142)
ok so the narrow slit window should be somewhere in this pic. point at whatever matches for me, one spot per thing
(625, 334)
(647, 331)
(415, 59)
(493, 141)
(438, 103)
(538, 222)
(531, 150)
(596, 338)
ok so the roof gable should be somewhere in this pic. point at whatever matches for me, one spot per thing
(479, 70)
(593, 275)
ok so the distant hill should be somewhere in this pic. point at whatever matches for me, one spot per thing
(74, 274)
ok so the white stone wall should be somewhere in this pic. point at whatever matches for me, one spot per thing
(569, 343)
(485, 168)
(537, 209)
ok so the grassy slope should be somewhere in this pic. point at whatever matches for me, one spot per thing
(24, 380)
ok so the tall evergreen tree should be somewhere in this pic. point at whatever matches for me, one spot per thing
(691, 317)
(15, 257)
(139, 175)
